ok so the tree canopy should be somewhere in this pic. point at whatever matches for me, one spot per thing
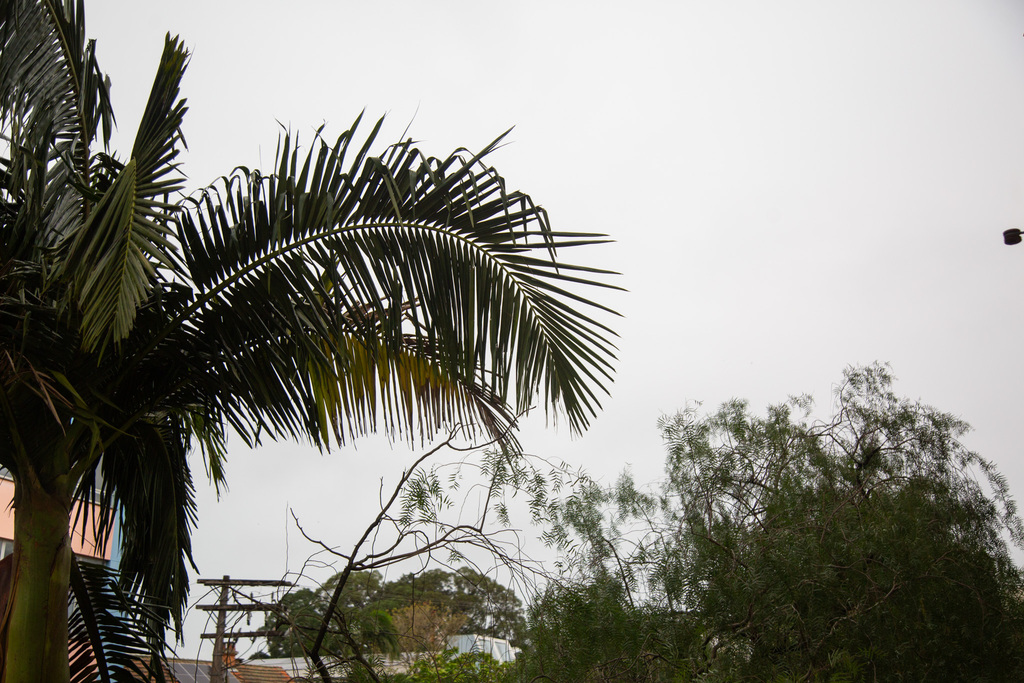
(873, 546)
(441, 602)
(490, 609)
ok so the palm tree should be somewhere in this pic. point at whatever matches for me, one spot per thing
(340, 294)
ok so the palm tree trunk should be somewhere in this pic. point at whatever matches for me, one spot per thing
(35, 628)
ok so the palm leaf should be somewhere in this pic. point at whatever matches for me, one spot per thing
(405, 389)
(108, 633)
(53, 99)
(145, 476)
(111, 264)
(383, 250)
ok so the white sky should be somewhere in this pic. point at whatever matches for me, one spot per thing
(793, 186)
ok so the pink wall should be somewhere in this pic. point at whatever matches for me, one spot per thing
(80, 544)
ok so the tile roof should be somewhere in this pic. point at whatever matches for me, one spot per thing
(249, 673)
(198, 671)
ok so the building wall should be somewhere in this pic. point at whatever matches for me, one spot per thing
(498, 648)
(81, 543)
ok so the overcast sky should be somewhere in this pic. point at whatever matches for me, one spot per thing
(792, 187)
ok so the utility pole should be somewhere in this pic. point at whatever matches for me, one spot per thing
(227, 584)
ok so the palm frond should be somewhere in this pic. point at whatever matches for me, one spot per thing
(384, 248)
(376, 389)
(108, 630)
(53, 100)
(111, 264)
(145, 477)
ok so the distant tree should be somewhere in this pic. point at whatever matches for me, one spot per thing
(372, 608)
(870, 547)
(425, 627)
(356, 623)
(490, 608)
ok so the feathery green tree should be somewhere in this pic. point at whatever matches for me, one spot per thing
(874, 546)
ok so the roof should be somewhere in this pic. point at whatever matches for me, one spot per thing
(198, 671)
(141, 667)
(297, 667)
(248, 673)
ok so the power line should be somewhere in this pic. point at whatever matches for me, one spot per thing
(227, 584)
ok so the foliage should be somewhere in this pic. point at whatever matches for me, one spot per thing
(109, 633)
(355, 624)
(413, 613)
(589, 630)
(342, 293)
(489, 608)
(421, 520)
(870, 547)
(425, 627)
(451, 667)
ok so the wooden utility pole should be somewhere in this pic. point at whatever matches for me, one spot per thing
(217, 667)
